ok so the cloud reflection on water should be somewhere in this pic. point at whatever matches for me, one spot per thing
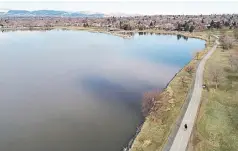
(80, 90)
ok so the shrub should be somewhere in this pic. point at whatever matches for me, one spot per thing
(189, 69)
(148, 101)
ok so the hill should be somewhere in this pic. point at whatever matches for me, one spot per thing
(49, 13)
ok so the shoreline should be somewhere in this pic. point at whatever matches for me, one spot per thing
(173, 128)
(166, 142)
(121, 33)
(93, 30)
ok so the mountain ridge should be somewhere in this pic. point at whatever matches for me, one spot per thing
(49, 13)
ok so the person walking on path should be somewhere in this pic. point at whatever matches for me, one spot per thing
(185, 126)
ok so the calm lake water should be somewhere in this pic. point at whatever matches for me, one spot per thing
(81, 91)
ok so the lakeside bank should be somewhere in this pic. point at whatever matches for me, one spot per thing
(169, 108)
(129, 33)
(121, 33)
(171, 96)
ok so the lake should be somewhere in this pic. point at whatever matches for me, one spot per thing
(81, 91)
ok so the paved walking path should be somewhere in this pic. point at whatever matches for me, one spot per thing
(181, 140)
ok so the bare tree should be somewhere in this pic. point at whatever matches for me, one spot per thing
(236, 33)
(183, 81)
(189, 69)
(215, 74)
(148, 101)
(209, 34)
(226, 42)
(233, 59)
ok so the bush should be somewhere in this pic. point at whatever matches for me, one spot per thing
(189, 69)
(215, 74)
(148, 101)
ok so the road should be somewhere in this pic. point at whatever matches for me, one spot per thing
(182, 137)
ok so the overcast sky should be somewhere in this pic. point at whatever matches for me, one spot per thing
(123, 6)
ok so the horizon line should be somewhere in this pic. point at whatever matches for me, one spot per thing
(134, 14)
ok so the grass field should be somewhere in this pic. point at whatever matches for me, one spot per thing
(217, 123)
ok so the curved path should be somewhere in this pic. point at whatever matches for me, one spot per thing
(182, 137)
